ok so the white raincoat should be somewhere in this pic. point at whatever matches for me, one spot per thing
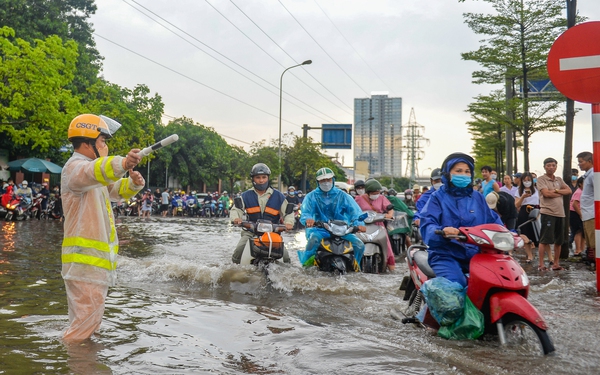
(90, 243)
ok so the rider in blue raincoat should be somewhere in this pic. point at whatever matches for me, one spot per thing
(328, 203)
(455, 204)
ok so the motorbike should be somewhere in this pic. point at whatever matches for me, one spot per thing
(18, 208)
(336, 254)
(398, 230)
(36, 206)
(374, 259)
(220, 210)
(190, 208)
(297, 215)
(54, 209)
(266, 245)
(132, 207)
(179, 208)
(206, 209)
(497, 286)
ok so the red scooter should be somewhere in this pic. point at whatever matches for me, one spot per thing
(497, 286)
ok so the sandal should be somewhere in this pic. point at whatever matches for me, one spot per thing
(559, 268)
(528, 261)
(542, 268)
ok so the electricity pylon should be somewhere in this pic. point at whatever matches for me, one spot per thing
(413, 146)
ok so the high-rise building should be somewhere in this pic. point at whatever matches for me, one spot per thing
(377, 134)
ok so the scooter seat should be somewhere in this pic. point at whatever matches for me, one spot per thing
(420, 258)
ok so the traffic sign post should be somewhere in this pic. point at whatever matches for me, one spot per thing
(574, 69)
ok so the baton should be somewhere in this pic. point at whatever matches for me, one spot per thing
(158, 145)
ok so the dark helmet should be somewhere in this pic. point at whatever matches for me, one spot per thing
(372, 185)
(392, 192)
(259, 169)
(359, 184)
(436, 174)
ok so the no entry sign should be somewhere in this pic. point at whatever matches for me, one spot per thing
(574, 63)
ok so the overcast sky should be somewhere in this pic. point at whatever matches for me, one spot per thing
(409, 48)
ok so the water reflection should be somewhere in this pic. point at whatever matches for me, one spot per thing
(83, 358)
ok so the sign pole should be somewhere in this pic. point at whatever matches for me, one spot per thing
(596, 177)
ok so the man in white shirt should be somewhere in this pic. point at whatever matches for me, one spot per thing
(586, 163)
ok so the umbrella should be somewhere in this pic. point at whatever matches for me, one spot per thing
(34, 165)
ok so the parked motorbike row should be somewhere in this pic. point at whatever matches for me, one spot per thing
(181, 207)
(21, 208)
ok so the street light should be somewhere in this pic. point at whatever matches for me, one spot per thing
(307, 62)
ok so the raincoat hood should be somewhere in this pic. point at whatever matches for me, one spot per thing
(451, 160)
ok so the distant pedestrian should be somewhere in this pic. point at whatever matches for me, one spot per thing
(164, 206)
(574, 177)
(147, 200)
(489, 183)
(527, 199)
(575, 223)
(508, 186)
(586, 163)
(552, 189)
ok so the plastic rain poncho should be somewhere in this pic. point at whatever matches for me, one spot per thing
(325, 206)
(90, 243)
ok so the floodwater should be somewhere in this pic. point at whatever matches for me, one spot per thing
(181, 307)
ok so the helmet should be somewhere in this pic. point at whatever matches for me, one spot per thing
(148, 190)
(90, 126)
(392, 192)
(325, 173)
(436, 174)
(408, 192)
(259, 169)
(24, 183)
(224, 191)
(182, 192)
(358, 184)
(372, 185)
(291, 188)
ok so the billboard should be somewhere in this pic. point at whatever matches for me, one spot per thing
(336, 136)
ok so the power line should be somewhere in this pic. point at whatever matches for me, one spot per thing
(350, 44)
(323, 49)
(217, 52)
(222, 135)
(290, 56)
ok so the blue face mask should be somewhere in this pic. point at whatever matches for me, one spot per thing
(291, 193)
(460, 180)
(573, 178)
(534, 180)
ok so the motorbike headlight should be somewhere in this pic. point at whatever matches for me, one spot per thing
(524, 279)
(502, 240)
(264, 227)
(479, 240)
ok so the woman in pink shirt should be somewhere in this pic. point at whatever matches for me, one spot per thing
(372, 200)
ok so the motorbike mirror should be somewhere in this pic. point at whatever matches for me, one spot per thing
(238, 203)
(534, 213)
(289, 209)
(389, 207)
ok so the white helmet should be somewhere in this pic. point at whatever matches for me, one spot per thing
(24, 183)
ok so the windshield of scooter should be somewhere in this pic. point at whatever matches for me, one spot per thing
(338, 228)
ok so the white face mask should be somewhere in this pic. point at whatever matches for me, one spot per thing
(494, 176)
(374, 196)
(527, 183)
(437, 186)
(360, 191)
(326, 186)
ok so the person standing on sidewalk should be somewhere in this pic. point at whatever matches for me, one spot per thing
(552, 189)
(586, 163)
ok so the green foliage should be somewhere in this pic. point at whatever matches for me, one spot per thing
(518, 38)
(34, 102)
(137, 111)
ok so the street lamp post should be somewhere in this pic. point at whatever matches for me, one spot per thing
(307, 62)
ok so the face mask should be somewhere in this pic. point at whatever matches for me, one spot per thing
(353, 193)
(527, 183)
(573, 178)
(261, 187)
(460, 180)
(494, 176)
(360, 191)
(291, 193)
(437, 186)
(103, 152)
(299, 195)
(374, 196)
(326, 186)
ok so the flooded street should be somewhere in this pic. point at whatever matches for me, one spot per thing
(181, 307)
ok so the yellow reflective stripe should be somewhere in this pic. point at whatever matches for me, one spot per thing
(91, 244)
(125, 191)
(89, 260)
(111, 218)
(108, 169)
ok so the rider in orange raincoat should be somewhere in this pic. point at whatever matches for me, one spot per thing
(90, 181)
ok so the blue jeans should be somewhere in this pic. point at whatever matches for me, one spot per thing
(315, 237)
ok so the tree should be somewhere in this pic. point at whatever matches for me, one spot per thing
(34, 102)
(519, 37)
(68, 19)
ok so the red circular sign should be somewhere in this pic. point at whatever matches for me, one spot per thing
(574, 63)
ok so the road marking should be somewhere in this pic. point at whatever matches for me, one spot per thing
(576, 63)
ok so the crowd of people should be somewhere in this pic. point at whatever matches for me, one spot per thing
(26, 193)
